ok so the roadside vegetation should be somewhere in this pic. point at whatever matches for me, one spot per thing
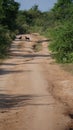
(56, 24)
(8, 14)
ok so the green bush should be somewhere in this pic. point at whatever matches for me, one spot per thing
(23, 29)
(13, 35)
(5, 41)
(62, 44)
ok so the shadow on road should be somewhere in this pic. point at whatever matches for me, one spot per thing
(36, 41)
(5, 71)
(32, 55)
(14, 101)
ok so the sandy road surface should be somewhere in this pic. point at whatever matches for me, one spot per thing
(25, 100)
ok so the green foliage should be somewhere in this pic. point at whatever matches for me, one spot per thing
(63, 9)
(61, 31)
(8, 14)
(5, 41)
(10, 10)
(22, 25)
(62, 44)
(28, 20)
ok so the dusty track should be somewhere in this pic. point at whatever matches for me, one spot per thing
(26, 101)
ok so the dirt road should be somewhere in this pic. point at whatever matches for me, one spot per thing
(26, 102)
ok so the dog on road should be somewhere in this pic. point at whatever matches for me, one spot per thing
(27, 38)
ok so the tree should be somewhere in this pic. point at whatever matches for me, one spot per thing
(10, 10)
(1, 12)
(62, 34)
(62, 9)
(8, 14)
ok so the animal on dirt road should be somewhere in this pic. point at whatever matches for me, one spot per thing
(20, 37)
(27, 38)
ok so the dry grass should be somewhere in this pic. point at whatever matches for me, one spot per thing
(1, 61)
(68, 67)
(37, 47)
